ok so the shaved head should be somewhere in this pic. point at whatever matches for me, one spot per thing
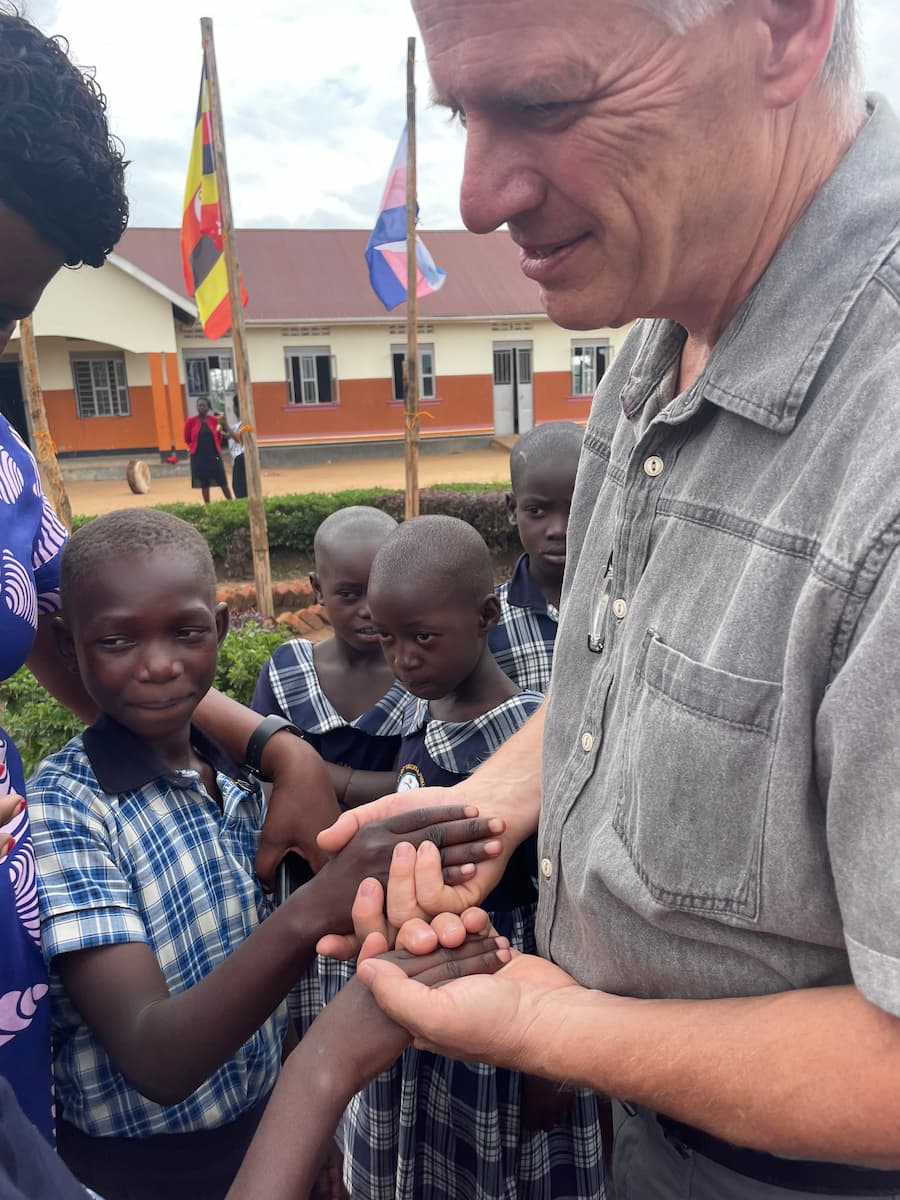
(443, 556)
(358, 523)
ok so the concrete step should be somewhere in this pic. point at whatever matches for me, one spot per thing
(504, 442)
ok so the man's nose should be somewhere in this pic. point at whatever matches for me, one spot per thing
(498, 182)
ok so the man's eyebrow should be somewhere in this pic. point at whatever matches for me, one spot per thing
(573, 85)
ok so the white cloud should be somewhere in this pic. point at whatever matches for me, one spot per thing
(314, 95)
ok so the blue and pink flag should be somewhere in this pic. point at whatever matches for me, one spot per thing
(386, 250)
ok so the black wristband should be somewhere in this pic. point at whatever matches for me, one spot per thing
(259, 739)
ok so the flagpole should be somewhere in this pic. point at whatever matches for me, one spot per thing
(259, 535)
(44, 449)
(412, 303)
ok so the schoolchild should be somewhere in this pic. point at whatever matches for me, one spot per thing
(340, 692)
(430, 1126)
(542, 468)
(166, 981)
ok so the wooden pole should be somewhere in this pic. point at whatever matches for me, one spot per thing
(412, 302)
(44, 448)
(259, 534)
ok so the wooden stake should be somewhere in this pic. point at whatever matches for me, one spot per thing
(412, 302)
(44, 448)
(259, 534)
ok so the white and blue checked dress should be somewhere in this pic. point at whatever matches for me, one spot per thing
(429, 1126)
(523, 639)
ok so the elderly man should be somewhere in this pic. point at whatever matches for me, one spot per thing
(720, 769)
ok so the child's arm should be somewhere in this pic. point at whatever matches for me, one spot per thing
(167, 1045)
(328, 1067)
(302, 801)
(354, 787)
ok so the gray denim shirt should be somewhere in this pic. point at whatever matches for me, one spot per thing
(721, 783)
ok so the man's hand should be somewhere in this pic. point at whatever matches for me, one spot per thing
(502, 1019)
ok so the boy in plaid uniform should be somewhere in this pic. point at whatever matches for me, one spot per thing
(542, 469)
(166, 981)
(429, 1126)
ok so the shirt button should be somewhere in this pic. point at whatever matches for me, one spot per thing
(620, 608)
(546, 868)
(587, 742)
(653, 466)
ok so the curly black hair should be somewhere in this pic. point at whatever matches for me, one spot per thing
(60, 168)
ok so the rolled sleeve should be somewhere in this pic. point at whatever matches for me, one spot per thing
(858, 739)
(85, 900)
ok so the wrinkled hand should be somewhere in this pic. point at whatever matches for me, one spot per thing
(10, 808)
(457, 888)
(503, 1019)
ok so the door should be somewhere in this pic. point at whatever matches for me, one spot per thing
(12, 404)
(513, 388)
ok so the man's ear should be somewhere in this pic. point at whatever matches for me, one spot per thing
(65, 644)
(798, 38)
(489, 614)
(316, 587)
(223, 618)
(512, 512)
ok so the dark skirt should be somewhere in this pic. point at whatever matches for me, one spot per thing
(239, 478)
(172, 1166)
(207, 469)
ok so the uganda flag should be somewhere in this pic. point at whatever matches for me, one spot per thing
(202, 252)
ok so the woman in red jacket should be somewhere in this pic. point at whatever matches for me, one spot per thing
(204, 442)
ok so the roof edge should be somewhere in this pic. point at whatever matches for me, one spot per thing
(150, 281)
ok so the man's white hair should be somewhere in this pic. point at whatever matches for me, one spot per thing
(841, 74)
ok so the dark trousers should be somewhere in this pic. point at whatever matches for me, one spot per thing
(170, 1166)
(239, 478)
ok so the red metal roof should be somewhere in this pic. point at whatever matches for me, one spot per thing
(321, 275)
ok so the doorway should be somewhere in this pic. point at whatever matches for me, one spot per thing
(12, 402)
(513, 388)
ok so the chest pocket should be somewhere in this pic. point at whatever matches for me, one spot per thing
(691, 805)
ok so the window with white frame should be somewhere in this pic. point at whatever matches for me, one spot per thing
(209, 377)
(311, 375)
(101, 388)
(426, 371)
(589, 363)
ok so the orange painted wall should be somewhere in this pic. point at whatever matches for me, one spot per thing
(86, 434)
(367, 409)
(553, 401)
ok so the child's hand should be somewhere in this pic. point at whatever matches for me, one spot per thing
(355, 1061)
(420, 936)
(464, 838)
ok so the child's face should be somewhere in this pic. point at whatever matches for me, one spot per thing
(540, 508)
(431, 644)
(341, 583)
(145, 635)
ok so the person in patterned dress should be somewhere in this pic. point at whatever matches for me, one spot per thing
(542, 469)
(62, 201)
(430, 1126)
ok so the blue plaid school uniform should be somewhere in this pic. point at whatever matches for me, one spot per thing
(31, 539)
(130, 851)
(449, 1130)
(288, 685)
(523, 639)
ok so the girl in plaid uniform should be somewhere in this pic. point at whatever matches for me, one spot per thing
(430, 1126)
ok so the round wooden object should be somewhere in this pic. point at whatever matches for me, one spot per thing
(138, 475)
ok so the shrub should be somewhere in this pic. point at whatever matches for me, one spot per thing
(38, 724)
(293, 520)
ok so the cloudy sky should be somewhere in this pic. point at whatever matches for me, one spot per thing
(314, 94)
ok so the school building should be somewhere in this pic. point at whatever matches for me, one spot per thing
(123, 359)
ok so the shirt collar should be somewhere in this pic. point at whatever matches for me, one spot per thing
(803, 299)
(123, 763)
(523, 592)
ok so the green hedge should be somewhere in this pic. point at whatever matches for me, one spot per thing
(39, 725)
(293, 520)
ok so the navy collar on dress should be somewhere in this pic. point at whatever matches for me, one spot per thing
(123, 763)
(523, 592)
